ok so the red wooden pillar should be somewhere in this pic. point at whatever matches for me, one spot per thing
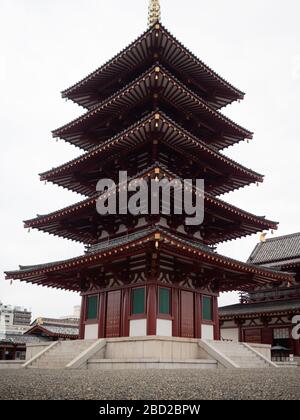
(198, 315)
(102, 315)
(175, 312)
(125, 313)
(82, 318)
(151, 309)
(217, 332)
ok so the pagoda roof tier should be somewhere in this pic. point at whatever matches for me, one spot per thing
(155, 44)
(225, 273)
(158, 86)
(77, 222)
(229, 175)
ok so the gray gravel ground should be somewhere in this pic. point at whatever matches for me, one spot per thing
(272, 384)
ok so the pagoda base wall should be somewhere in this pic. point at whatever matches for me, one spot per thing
(186, 313)
(151, 353)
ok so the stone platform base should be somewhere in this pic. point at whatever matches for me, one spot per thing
(111, 364)
(150, 352)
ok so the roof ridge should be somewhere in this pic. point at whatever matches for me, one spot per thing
(276, 250)
(276, 238)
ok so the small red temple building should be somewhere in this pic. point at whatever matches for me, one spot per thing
(265, 315)
(153, 110)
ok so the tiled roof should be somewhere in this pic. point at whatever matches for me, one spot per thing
(56, 321)
(63, 330)
(169, 242)
(21, 339)
(57, 330)
(283, 248)
(262, 307)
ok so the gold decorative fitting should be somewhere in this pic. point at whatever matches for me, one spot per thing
(154, 13)
(263, 237)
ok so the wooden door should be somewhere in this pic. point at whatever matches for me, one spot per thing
(187, 314)
(267, 336)
(113, 314)
(252, 335)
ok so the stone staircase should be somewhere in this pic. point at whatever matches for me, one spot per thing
(60, 355)
(148, 352)
(241, 354)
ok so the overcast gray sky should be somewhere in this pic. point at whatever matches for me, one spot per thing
(48, 45)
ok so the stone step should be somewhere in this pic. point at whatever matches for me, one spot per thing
(239, 354)
(250, 364)
(62, 354)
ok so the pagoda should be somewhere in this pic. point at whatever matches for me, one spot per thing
(154, 111)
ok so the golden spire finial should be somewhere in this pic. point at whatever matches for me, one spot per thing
(154, 12)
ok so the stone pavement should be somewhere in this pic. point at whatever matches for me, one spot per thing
(151, 384)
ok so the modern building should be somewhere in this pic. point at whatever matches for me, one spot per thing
(14, 322)
(14, 319)
(265, 315)
(154, 110)
(21, 316)
(76, 314)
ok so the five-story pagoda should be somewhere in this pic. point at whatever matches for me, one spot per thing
(153, 111)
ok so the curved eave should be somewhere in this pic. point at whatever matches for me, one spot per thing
(173, 91)
(173, 136)
(167, 243)
(51, 222)
(174, 52)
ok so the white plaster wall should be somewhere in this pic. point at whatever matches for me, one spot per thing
(138, 328)
(228, 324)
(164, 328)
(231, 334)
(207, 332)
(91, 332)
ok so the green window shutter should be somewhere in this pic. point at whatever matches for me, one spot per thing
(164, 301)
(92, 307)
(207, 308)
(138, 301)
